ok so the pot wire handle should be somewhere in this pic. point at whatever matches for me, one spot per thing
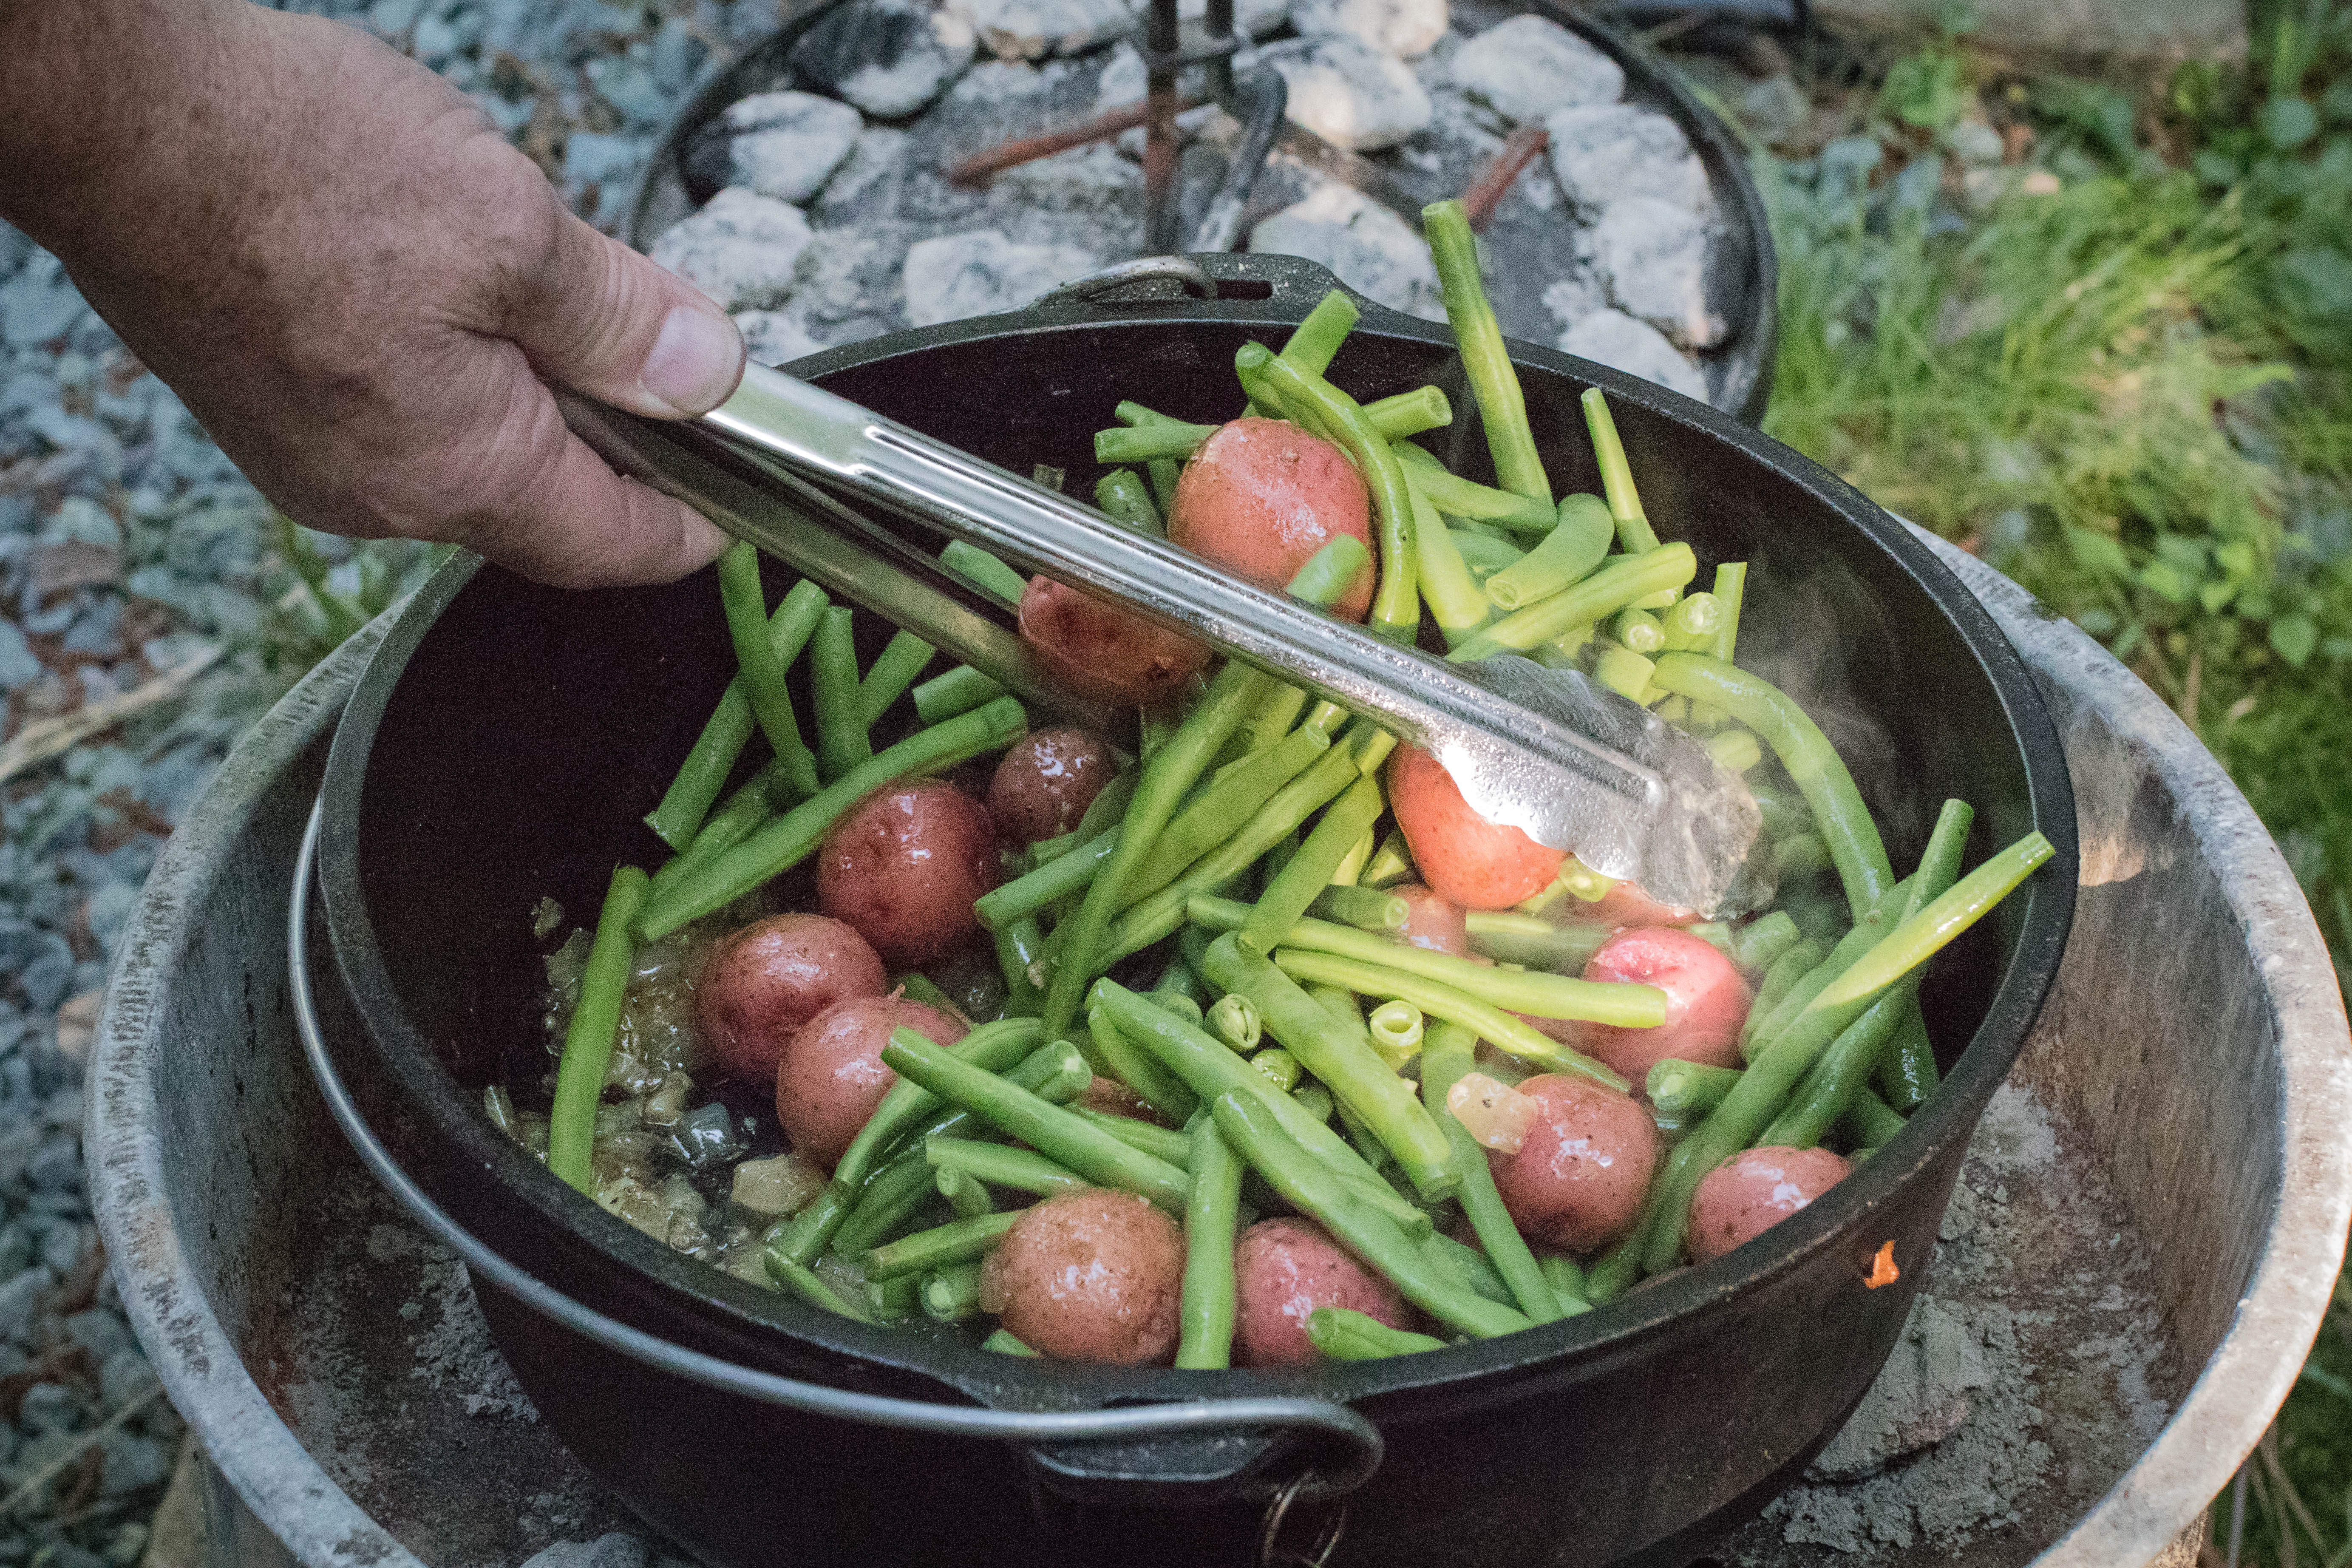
(1357, 1436)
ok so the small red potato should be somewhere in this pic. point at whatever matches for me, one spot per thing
(904, 865)
(1104, 652)
(1625, 904)
(1261, 496)
(1707, 1001)
(760, 984)
(1433, 920)
(1577, 1181)
(1478, 863)
(1755, 1190)
(1090, 1275)
(832, 1075)
(1283, 1270)
(1045, 782)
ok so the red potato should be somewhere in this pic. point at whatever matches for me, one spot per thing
(904, 865)
(1261, 496)
(1707, 1001)
(1433, 920)
(1089, 1274)
(1283, 1270)
(1577, 1181)
(1478, 863)
(1104, 652)
(1625, 904)
(760, 984)
(1045, 782)
(1755, 1190)
(832, 1075)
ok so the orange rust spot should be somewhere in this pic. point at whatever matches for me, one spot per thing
(1882, 1268)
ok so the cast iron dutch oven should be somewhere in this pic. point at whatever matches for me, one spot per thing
(506, 739)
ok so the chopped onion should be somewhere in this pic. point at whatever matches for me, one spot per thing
(1496, 1115)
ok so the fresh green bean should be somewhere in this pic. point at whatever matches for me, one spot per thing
(1327, 576)
(1693, 623)
(1735, 750)
(1623, 1004)
(1003, 1342)
(1566, 1278)
(1468, 501)
(1685, 1089)
(1491, 1023)
(920, 987)
(1812, 764)
(1633, 530)
(588, 1038)
(1454, 597)
(896, 1192)
(1482, 553)
(735, 820)
(1468, 1268)
(1405, 414)
(1234, 1020)
(992, 1048)
(1019, 949)
(1564, 558)
(1907, 1070)
(1122, 496)
(894, 1300)
(704, 774)
(1205, 1312)
(841, 739)
(1391, 863)
(1640, 631)
(1959, 907)
(1159, 1089)
(1342, 1334)
(1142, 442)
(793, 837)
(1502, 405)
(1761, 1026)
(1533, 941)
(761, 671)
(1607, 591)
(951, 1294)
(1000, 1165)
(1800, 959)
(1624, 671)
(1612, 1273)
(1445, 1055)
(1315, 343)
(1295, 887)
(1366, 909)
(803, 1281)
(1276, 715)
(1342, 1058)
(984, 572)
(1870, 1121)
(1182, 1004)
(1034, 891)
(1800, 855)
(894, 670)
(963, 1191)
(1395, 1027)
(957, 691)
(943, 1246)
(1052, 1131)
(1730, 588)
(1160, 1143)
(1280, 1067)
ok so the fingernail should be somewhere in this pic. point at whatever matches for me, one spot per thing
(695, 361)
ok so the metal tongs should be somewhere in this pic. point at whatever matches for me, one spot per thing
(1572, 763)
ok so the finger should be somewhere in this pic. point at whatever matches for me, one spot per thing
(597, 317)
(583, 526)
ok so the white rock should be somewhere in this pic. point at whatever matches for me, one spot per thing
(1252, 18)
(786, 143)
(1603, 152)
(1367, 247)
(1082, 177)
(1402, 27)
(887, 57)
(999, 82)
(1653, 254)
(772, 338)
(1573, 298)
(1529, 65)
(1351, 96)
(740, 250)
(866, 183)
(979, 273)
(1615, 339)
(1031, 30)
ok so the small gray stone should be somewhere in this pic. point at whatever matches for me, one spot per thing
(1031, 30)
(123, 1377)
(773, 338)
(1577, 295)
(889, 57)
(1252, 18)
(38, 303)
(1653, 254)
(614, 1550)
(867, 185)
(52, 1407)
(592, 158)
(977, 274)
(20, 1301)
(1367, 247)
(1402, 27)
(1529, 65)
(850, 282)
(786, 145)
(1974, 142)
(1000, 81)
(1604, 150)
(740, 250)
(1350, 95)
(1615, 339)
(18, 667)
(98, 1331)
(133, 1463)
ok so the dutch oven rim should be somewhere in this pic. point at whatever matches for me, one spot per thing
(1463, 1372)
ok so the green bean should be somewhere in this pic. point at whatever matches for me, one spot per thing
(1812, 764)
(1612, 1273)
(1633, 530)
(1693, 623)
(1564, 558)
(1405, 414)
(894, 1300)
(1342, 1334)
(1395, 1027)
(1509, 937)
(1182, 1004)
(1122, 496)
(1291, 891)
(801, 1281)
(1468, 1268)
(963, 1191)
(736, 819)
(1000, 1165)
(1735, 750)
(1205, 1312)
(1366, 909)
(1019, 949)
(712, 758)
(1391, 863)
(1800, 959)
(1607, 591)
(1730, 588)
(984, 572)
(955, 692)
(1469, 501)
(841, 739)
(1945, 917)
(951, 1294)
(1003, 1342)
(793, 837)
(809, 1232)
(1491, 1023)
(992, 1048)
(1484, 555)
(1160, 1143)
(894, 670)
(1908, 1068)
(1566, 1278)
(1034, 891)
(919, 987)
(896, 1191)
(763, 672)
(1800, 855)
(1870, 1121)
(943, 1246)
(1624, 671)
(1640, 631)
(1142, 442)
(1445, 1055)
(1685, 1089)
(1327, 576)
(1280, 1067)
(1454, 597)
(588, 1038)
(1052, 1131)
(1315, 343)
(1160, 1089)
(1234, 1020)
(1502, 405)
(1276, 715)
(1339, 1206)
(1763, 1026)
(1396, 601)
(1620, 1003)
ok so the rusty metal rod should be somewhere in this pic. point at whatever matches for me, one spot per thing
(977, 169)
(1486, 193)
(1161, 56)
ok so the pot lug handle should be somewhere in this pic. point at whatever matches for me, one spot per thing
(1284, 288)
(1350, 1454)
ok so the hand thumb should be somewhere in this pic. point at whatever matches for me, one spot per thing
(602, 319)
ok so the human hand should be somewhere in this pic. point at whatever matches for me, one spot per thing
(353, 282)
